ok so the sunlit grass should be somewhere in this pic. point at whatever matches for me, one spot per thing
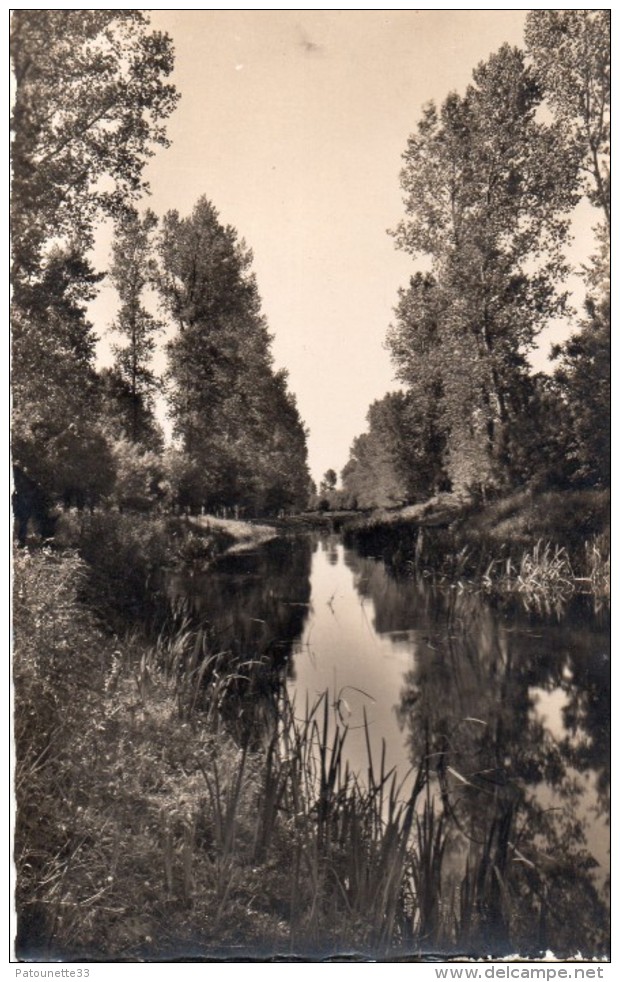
(541, 548)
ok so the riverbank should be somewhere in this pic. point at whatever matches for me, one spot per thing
(553, 539)
(146, 828)
(126, 553)
(145, 831)
(234, 534)
(315, 521)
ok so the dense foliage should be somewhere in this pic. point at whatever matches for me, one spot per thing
(92, 99)
(241, 437)
(132, 272)
(491, 180)
(90, 106)
(398, 460)
(137, 833)
(572, 56)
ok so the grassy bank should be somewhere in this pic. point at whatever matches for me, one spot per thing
(239, 535)
(125, 554)
(147, 828)
(545, 545)
(315, 521)
(144, 830)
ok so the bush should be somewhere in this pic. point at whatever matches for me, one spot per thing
(125, 554)
(139, 476)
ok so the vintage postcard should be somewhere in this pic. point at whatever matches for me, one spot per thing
(311, 485)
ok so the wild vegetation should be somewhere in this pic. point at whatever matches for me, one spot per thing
(145, 829)
(546, 546)
(87, 438)
(170, 798)
(489, 192)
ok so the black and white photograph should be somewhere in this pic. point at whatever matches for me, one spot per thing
(310, 500)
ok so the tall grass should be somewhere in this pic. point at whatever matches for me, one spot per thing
(541, 548)
(143, 828)
(543, 578)
(545, 575)
(150, 826)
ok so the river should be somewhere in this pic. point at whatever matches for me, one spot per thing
(512, 708)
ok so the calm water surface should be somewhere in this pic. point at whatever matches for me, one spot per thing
(512, 708)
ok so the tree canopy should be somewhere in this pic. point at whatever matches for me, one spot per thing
(488, 192)
(92, 99)
(90, 107)
(571, 52)
(91, 102)
(399, 458)
(491, 179)
(131, 272)
(231, 412)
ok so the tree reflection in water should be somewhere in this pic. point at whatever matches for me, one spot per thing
(509, 710)
(253, 606)
(513, 790)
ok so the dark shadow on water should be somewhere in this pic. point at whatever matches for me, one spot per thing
(253, 606)
(510, 710)
(513, 711)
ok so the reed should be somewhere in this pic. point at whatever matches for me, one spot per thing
(598, 567)
(538, 547)
(545, 575)
(149, 825)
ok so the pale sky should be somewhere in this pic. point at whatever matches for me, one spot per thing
(293, 124)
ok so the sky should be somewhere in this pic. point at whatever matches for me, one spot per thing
(293, 124)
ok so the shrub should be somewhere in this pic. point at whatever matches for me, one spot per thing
(139, 476)
(125, 554)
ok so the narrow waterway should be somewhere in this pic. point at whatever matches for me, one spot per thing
(512, 708)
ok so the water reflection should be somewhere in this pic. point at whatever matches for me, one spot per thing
(254, 606)
(256, 603)
(518, 797)
(510, 710)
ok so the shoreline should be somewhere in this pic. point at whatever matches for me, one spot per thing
(194, 832)
(547, 545)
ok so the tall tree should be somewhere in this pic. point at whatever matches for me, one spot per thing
(91, 101)
(330, 480)
(56, 442)
(279, 454)
(369, 478)
(90, 104)
(415, 342)
(571, 52)
(488, 190)
(208, 290)
(122, 415)
(584, 380)
(397, 460)
(230, 412)
(131, 272)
